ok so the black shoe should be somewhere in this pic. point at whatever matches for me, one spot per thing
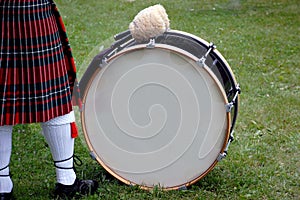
(80, 187)
(6, 196)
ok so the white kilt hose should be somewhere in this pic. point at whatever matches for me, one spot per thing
(57, 133)
(5, 152)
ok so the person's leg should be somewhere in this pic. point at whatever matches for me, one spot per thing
(6, 184)
(57, 133)
(61, 146)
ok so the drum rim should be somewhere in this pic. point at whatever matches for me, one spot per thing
(194, 37)
(181, 52)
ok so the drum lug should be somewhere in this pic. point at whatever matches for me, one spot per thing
(201, 61)
(182, 188)
(211, 47)
(151, 44)
(229, 107)
(231, 104)
(93, 156)
(221, 156)
(224, 154)
(103, 63)
(238, 89)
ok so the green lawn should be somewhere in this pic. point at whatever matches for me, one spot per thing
(260, 41)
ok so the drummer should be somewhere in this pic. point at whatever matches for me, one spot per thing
(37, 79)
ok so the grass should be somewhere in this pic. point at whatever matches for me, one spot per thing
(259, 39)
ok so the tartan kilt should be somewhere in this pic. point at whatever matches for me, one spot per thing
(37, 70)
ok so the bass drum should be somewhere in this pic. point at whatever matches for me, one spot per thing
(161, 113)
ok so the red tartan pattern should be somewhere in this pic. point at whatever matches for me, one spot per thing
(37, 70)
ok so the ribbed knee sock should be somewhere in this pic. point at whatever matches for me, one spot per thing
(61, 146)
(6, 184)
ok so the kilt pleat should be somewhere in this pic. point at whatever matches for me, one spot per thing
(37, 70)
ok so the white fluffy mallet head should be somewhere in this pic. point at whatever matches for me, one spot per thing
(149, 22)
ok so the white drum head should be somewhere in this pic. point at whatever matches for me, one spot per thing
(154, 117)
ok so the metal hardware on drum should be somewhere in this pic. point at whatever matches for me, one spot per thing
(230, 105)
(93, 155)
(183, 188)
(123, 40)
(203, 59)
(151, 43)
(122, 35)
(210, 48)
(225, 152)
